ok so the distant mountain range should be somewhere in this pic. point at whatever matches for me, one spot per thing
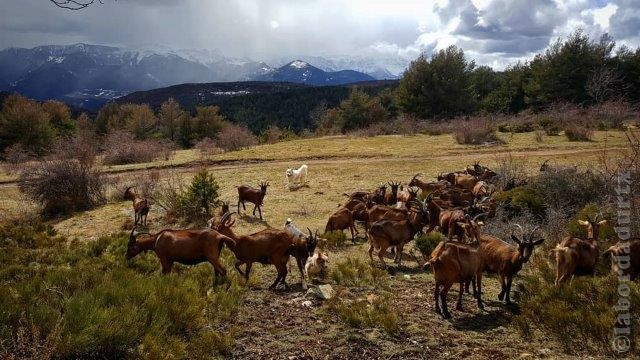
(87, 76)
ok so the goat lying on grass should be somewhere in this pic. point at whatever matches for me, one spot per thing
(268, 246)
(187, 247)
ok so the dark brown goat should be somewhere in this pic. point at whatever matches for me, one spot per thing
(392, 197)
(268, 246)
(575, 256)
(452, 263)
(396, 233)
(341, 220)
(625, 258)
(140, 206)
(187, 247)
(252, 195)
(506, 260)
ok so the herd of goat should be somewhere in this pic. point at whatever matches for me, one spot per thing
(457, 204)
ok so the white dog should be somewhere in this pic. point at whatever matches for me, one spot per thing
(296, 177)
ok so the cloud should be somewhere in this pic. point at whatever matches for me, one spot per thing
(495, 32)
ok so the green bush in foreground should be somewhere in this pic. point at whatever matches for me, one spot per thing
(85, 301)
(580, 315)
(365, 313)
(426, 243)
(356, 272)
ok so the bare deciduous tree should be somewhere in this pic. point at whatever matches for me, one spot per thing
(74, 4)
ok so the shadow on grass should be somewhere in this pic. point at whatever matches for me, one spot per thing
(485, 320)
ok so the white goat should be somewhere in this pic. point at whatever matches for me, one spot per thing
(317, 265)
(292, 229)
(296, 177)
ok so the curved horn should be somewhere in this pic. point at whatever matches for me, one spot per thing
(533, 232)
(416, 176)
(225, 217)
(520, 227)
(132, 236)
(477, 216)
(310, 233)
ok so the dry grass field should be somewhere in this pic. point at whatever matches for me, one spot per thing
(276, 324)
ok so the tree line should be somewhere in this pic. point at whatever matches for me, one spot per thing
(576, 70)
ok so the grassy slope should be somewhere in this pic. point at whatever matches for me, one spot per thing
(344, 165)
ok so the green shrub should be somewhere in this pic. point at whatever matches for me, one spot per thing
(580, 314)
(426, 243)
(366, 313)
(355, 272)
(334, 240)
(589, 211)
(202, 193)
(191, 203)
(86, 301)
(517, 200)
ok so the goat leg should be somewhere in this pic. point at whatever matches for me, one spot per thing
(479, 285)
(443, 300)
(459, 302)
(247, 271)
(508, 290)
(436, 295)
(301, 268)
(237, 266)
(503, 288)
(259, 212)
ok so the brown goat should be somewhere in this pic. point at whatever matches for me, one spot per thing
(359, 211)
(625, 258)
(407, 195)
(505, 260)
(466, 181)
(455, 263)
(252, 195)
(268, 246)
(187, 247)
(395, 233)
(341, 220)
(427, 187)
(575, 256)
(140, 206)
(392, 197)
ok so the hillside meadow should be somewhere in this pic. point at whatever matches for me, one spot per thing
(55, 270)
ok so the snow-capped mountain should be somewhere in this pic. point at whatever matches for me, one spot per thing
(299, 71)
(378, 67)
(89, 75)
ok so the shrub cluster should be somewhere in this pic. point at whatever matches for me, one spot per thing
(121, 147)
(67, 301)
(476, 131)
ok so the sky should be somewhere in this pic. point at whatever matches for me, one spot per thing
(492, 32)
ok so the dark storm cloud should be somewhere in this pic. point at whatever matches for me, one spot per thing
(625, 24)
(491, 30)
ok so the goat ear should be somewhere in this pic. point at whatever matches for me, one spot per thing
(583, 223)
(602, 222)
(538, 242)
(462, 224)
(515, 239)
